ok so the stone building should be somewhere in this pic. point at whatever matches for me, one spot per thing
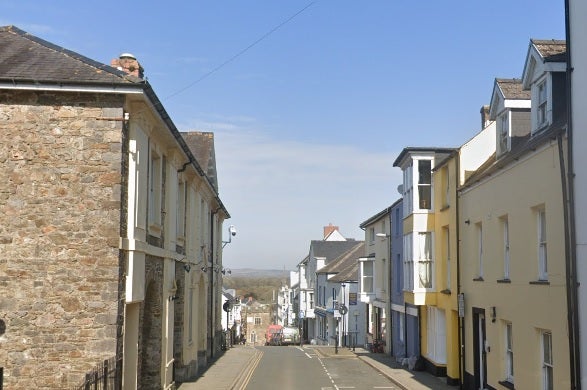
(111, 226)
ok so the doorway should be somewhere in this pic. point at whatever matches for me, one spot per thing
(480, 348)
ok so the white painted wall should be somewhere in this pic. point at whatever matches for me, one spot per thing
(477, 150)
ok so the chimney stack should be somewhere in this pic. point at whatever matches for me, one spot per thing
(484, 116)
(129, 64)
(329, 229)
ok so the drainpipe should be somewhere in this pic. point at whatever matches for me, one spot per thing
(569, 213)
(212, 311)
(458, 239)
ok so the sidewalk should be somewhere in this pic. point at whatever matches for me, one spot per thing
(233, 369)
(228, 371)
(400, 376)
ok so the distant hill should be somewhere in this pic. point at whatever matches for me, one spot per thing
(259, 273)
(260, 284)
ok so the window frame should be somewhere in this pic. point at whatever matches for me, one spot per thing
(506, 247)
(365, 277)
(542, 244)
(509, 353)
(547, 366)
(155, 188)
(541, 104)
(424, 185)
(479, 229)
(504, 132)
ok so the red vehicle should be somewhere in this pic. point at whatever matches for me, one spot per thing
(274, 335)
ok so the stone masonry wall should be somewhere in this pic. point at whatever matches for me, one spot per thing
(59, 233)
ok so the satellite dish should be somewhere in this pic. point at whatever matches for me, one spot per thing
(400, 189)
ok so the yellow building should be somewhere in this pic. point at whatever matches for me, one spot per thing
(426, 211)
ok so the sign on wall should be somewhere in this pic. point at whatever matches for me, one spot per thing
(352, 299)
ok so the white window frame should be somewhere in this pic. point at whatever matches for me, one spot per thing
(479, 250)
(408, 190)
(436, 332)
(181, 208)
(408, 262)
(367, 279)
(542, 246)
(446, 176)
(506, 247)
(425, 260)
(446, 233)
(423, 186)
(509, 353)
(155, 187)
(504, 132)
(547, 361)
(542, 104)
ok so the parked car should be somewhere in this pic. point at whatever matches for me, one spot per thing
(274, 335)
(291, 335)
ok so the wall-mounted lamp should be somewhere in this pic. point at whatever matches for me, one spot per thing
(226, 271)
(187, 267)
(204, 268)
(231, 233)
(493, 315)
(173, 298)
(467, 221)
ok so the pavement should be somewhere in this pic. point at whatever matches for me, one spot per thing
(233, 369)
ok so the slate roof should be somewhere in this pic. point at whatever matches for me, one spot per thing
(512, 89)
(24, 57)
(552, 50)
(344, 260)
(330, 250)
(202, 146)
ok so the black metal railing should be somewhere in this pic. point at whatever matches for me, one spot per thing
(102, 377)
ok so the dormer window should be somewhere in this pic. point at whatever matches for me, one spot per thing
(542, 101)
(503, 133)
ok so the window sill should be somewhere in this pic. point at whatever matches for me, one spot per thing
(504, 281)
(540, 282)
(478, 279)
(155, 230)
(507, 384)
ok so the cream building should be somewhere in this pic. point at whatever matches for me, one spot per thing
(374, 278)
(511, 232)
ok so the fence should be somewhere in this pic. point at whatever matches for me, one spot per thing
(102, 377)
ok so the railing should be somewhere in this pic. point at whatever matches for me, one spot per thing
(102, 377)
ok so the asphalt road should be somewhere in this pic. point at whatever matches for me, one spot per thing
(296, 368)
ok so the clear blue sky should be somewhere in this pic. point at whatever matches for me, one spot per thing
(309, 117)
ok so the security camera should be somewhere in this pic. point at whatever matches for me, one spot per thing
(232, 230)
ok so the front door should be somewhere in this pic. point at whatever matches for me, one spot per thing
(479, 349)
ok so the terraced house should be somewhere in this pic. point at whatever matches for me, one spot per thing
(110, 225)
(512, 235)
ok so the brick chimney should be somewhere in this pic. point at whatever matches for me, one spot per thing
(329, 229)
(128, 63)
(484, 116)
